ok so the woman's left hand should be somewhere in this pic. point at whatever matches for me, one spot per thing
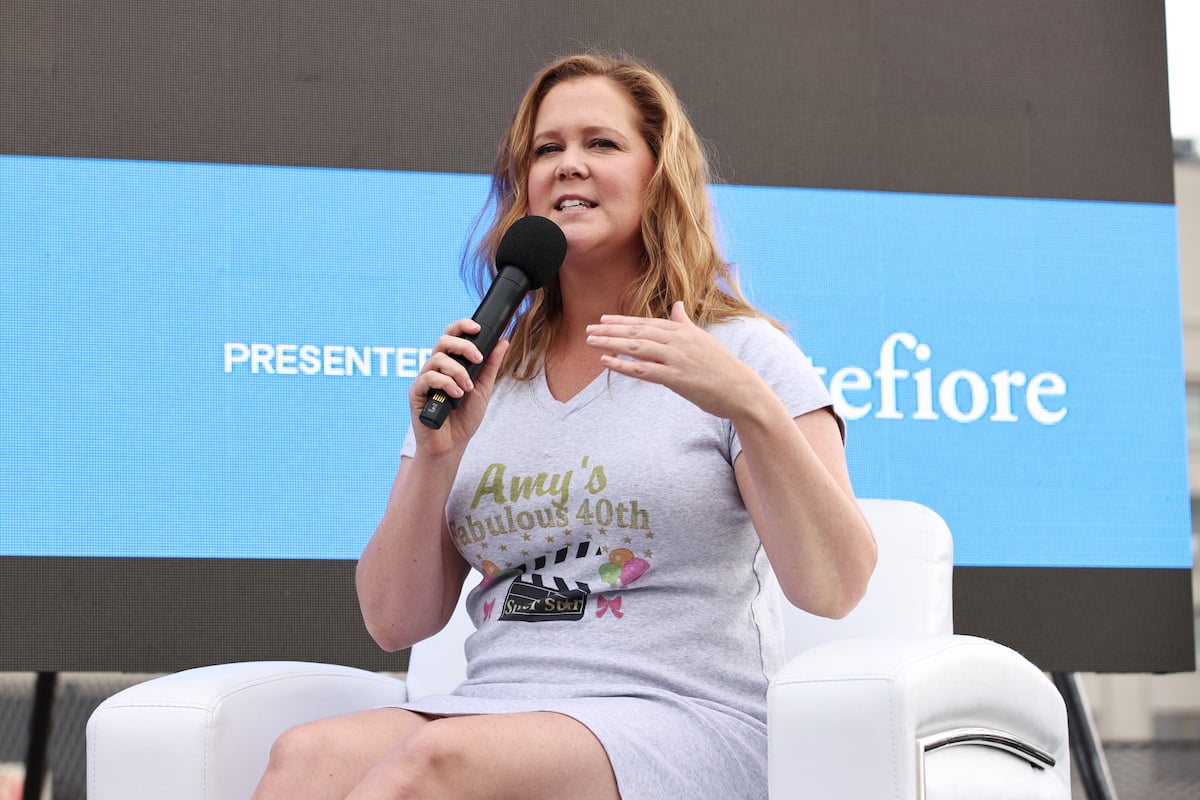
(677, 354)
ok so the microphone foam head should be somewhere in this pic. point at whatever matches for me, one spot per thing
(534, 245)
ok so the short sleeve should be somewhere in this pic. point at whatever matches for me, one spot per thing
(781, 363)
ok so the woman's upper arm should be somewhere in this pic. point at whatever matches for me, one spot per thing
(821, 429)
(803, 507)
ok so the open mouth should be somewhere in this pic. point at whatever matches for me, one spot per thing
(574, 203)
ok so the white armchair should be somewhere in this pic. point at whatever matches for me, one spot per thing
(887, 702)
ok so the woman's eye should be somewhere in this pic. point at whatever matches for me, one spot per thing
(546, 149)
(605, 143)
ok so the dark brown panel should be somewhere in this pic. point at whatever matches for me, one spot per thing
(1082, 620)
(1038, 98)
(163, 615)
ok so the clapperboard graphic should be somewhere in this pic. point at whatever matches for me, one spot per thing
(531, 599)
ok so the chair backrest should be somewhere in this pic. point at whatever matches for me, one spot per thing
(910, 594)
(438, 664)
(911, 590)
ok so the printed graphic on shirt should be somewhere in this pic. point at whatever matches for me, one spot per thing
(526, 527)
(534, 601)
(622, 568)
(604, 604)
(533, 598)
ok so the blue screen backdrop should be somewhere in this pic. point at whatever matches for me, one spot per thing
(206, 360)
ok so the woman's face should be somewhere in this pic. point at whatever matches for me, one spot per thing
(590, 168)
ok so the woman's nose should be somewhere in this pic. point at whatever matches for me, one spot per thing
(571, 165)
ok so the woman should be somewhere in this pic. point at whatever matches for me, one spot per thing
(620, 475)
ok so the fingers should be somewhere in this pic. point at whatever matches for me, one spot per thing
(448, 367)
(634, 344)
(643, 338)
(491, 368)
(647, 328)
(675, 353)
(678, 316)
(453, 341)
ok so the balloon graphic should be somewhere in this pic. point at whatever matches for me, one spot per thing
(620, 555)
(633, 569)
(610, 573)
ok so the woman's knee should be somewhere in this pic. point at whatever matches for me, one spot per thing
(305, 745)
(302, 765)
(498, 756)
(359, 738)
(431, 762)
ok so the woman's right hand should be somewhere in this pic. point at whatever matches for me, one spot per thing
(441, 371)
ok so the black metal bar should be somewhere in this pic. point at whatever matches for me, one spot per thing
(1086, 751)
(39, 734)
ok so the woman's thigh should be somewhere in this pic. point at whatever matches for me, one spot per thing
(527, 756)
(327, 758)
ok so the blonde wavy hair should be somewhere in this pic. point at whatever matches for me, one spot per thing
(681, 259)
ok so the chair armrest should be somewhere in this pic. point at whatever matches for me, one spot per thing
(205, 733)
(872, 717)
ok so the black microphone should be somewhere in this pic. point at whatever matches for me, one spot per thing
(530, 253)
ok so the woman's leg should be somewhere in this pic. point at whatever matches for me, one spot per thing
(325, 759)
(400, 755)
(533, 756)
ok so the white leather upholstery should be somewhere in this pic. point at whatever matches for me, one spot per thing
(846, 715)
(911, 590)
(847, 712)
(438, 664)
(204, 734)
(846, 719)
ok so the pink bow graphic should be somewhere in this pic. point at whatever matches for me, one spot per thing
(604, 604)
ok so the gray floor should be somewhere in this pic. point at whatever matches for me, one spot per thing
(78, 695)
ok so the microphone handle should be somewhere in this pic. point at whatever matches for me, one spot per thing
(494, 313)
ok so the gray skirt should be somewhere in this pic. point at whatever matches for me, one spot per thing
(660, 746)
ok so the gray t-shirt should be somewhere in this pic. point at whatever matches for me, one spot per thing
(619, 564)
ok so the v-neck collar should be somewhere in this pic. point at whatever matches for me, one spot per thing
(561, 409)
